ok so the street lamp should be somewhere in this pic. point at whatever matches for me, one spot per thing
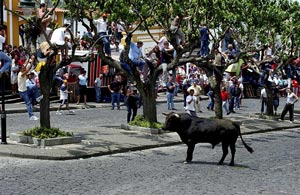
(27, 6)
(27, 3)
(3, 113)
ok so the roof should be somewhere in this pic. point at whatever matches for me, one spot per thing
(57, 10)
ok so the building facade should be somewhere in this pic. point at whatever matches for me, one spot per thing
(12, 21)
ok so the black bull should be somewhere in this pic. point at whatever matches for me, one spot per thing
(193, 130)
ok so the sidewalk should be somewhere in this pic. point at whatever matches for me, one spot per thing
(115, 140)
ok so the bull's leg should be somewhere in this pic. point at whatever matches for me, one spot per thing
(232, 149)
(190, 151)
(225, 152)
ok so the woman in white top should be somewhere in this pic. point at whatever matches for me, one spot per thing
(289, 106)
(82, 90)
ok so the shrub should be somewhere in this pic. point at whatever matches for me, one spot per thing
(140, 121)
(43, 133)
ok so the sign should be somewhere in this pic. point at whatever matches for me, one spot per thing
(105, 69)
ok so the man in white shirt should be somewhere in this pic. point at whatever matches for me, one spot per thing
(102, 28)
(24, 92)
(197, 92)
(263, 100)
(98, 84)
(5, 60)
(191, 102)
(58, 39)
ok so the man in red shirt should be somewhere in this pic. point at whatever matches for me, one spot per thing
(224, 97)
(295, 86)
(178, 83)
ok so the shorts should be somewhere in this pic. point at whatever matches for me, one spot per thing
(82, 90)
(63, 102)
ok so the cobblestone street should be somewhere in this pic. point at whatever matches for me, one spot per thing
(272, 169)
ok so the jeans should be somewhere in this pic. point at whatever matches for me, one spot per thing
(33, 93)
(115, 97)
(134, 112)
(106, 43)
(170, 100)
(226, 42)
(98, 94)
(288, 108)
(184, 99)
(224, 105)
(126, 67)
(263, 105)
(231, 104)
(139, 63)
(6, 62)
(25, 97)
(237, 102)
(176, 89)
(211, 104)
(165, 72)
(204, 48)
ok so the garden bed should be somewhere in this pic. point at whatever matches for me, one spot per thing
(142, 129)
(46, 141)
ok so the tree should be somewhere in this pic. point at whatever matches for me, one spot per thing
(260, 25)
(49, 68)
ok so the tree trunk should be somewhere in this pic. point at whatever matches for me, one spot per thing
(216, 86)
(45, 78)
(149, 102)
(218, 100)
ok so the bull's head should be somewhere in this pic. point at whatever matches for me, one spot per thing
(172, 120)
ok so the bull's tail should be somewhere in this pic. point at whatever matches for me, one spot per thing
(240, 134)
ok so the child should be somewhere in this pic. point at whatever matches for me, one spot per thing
(64, 97)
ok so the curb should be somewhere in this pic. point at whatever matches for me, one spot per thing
(84, 156)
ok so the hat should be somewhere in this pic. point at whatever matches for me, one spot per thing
(104, 15)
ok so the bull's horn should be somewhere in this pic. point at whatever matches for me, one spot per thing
(177, 115)
(166, 114)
